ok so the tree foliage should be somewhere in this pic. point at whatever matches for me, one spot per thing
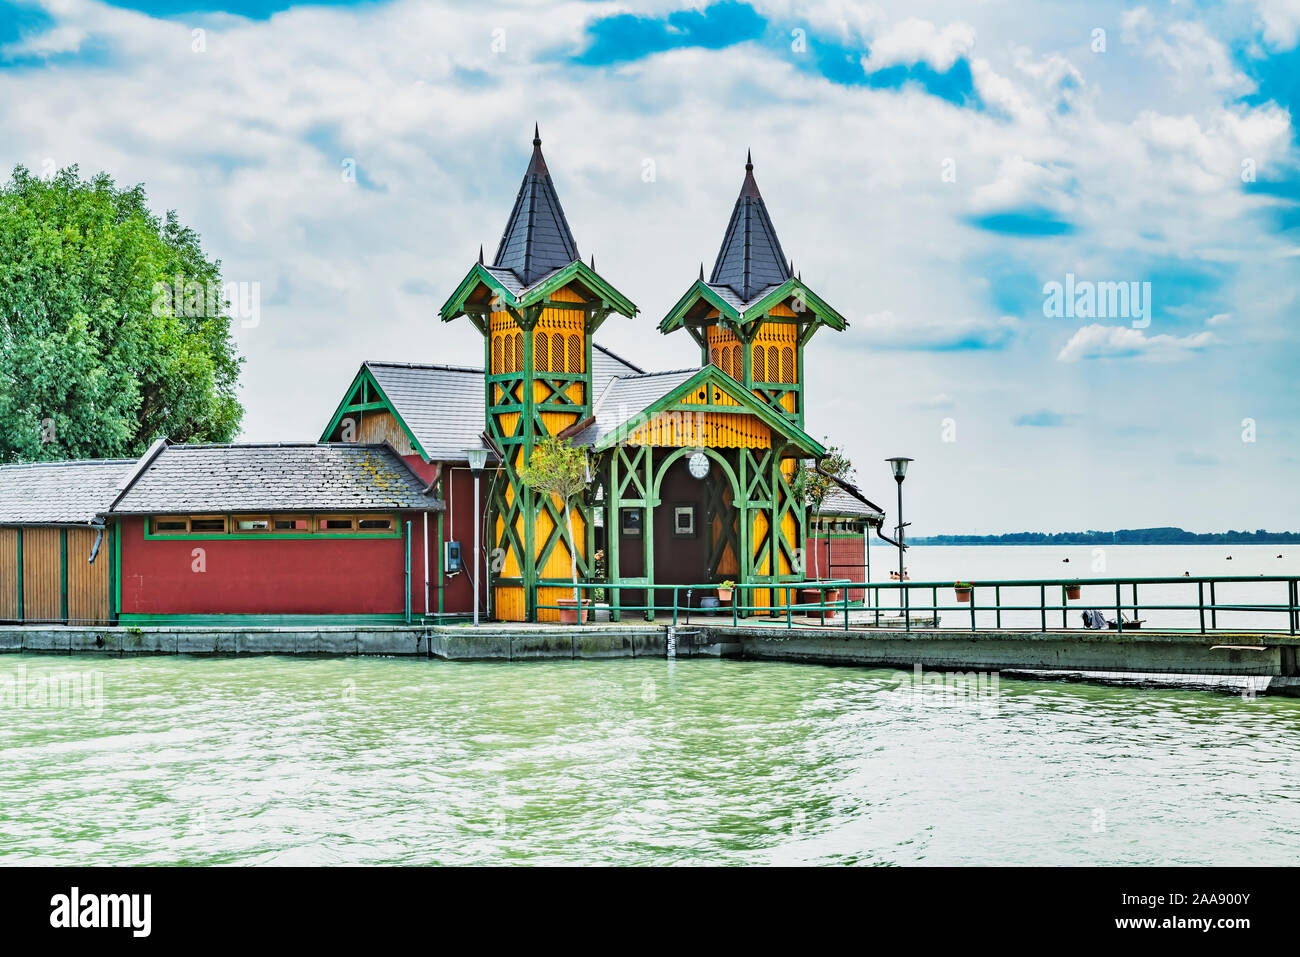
(557, 468)
(815, 485)
(90, 365)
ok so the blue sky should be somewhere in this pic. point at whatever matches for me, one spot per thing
(929, 167)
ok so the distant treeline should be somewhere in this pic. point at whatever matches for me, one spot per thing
(1124, 536)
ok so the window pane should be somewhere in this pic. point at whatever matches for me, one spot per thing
(337, 524)
(207, 525)
(384, 524)
(291, 524)
(169, 524)
(252, 524)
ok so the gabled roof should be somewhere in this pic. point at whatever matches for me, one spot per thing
(274, 477)
(59, 493)
(503, 285)
(730, 306)
(537, 239)
(631, 398)
(750, 258)
(839, 503)
(442, 406)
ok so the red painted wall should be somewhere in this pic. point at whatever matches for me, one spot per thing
(311, 576)
(457, 525)
(845, 558)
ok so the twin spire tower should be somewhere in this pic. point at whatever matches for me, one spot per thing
(538, 305)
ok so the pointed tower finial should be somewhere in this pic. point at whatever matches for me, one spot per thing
(537, 136)
(749, 161)
(701, 270)
(791, 267)
(480, 254)
(593, 262)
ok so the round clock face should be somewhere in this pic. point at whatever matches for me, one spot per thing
(698, 464)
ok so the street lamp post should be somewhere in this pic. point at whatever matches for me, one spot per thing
(477, 460)
(899, 466)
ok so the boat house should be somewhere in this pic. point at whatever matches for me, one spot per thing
(693, 472)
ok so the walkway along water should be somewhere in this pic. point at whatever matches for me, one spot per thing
(1268, 658)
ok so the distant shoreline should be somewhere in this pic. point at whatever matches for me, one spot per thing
(1127, 536)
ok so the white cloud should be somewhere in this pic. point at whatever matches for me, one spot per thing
(1281, 19)
(920, 41)
(1100, 342)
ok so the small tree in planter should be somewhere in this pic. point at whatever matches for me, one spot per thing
(815, 487)
(557, 468)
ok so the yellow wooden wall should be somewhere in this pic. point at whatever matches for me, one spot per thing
(42, 595)
(682, 427)
(559, 345)
(88, 585)
(8, 574)
(775, 355)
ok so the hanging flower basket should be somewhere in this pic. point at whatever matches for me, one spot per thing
(569, 610)
(725, 590)
(963, 590)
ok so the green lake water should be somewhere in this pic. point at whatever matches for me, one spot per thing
(274, 760)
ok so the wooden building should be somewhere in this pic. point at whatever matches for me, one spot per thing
(55, 548)
(693, 471)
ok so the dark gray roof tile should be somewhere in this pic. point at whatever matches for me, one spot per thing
(59, 493)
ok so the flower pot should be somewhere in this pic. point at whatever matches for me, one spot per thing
(813, 597)
(963, 594)
(569, 610)
(724, 594)
(1071, 592)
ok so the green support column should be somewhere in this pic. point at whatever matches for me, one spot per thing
(613, 532)
(648, 531)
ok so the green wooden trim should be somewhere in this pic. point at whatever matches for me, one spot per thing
(365, 378)
(538, 293)
(151, 536)
(756, 310)
(699, 290)
(242, 620)
(63, 575)
(115, 571)
(749, 403)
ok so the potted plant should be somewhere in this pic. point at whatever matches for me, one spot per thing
(559, 470)
(963, 590)
(1072, 592)
(725, 590)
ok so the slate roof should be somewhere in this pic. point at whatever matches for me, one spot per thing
(750, 259)
(443, 405)
(59, 493)
(537, 239)
(840, 503)
(624, 397)
(274, 477)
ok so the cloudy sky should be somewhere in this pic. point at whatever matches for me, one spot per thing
(930, 167)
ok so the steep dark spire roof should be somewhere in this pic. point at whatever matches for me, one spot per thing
(750, 259)
(537, 239)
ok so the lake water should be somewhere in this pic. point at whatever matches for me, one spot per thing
(950, 563)
(274, 760)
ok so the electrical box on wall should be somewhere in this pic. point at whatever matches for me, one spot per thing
(451, 558)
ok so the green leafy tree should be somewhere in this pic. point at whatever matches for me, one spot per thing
(557, 468)
(816, 487)
(94, 361)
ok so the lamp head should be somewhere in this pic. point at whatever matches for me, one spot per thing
(477, 459)
(899, 466)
